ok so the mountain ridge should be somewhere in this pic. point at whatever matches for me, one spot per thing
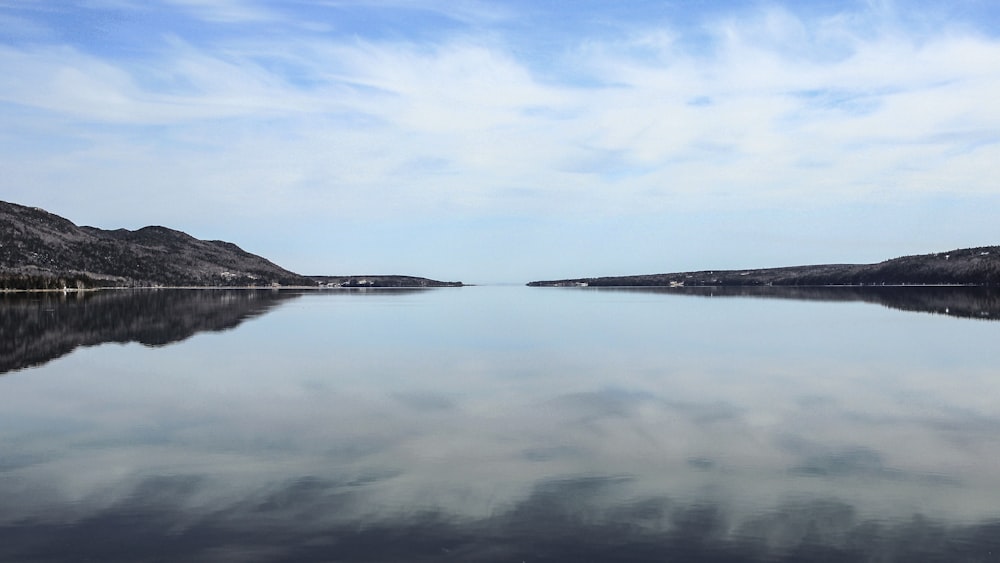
(42, 250)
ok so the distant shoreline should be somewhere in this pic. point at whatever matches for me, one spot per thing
(223, 287)
(978, 266)
(379, 281)
(789, 286)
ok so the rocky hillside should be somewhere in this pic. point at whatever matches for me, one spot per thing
(39, 250)
(967, 266)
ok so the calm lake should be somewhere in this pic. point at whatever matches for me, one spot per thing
(501, 424)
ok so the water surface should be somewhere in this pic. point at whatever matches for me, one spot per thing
(500, 424)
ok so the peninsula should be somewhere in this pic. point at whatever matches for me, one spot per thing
(967, 266)
(41, 250)
(380, 282)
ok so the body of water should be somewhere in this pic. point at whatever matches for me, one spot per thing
(501, 424)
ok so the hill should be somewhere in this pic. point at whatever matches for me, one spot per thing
(40, 250)
(966, 266)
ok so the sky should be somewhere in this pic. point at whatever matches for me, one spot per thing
(510, 141)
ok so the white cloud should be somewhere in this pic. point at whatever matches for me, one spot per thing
(228, 11)
(472, 12)
(776, 110)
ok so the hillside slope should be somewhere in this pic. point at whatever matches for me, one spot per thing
(966, 266)
(42, 250)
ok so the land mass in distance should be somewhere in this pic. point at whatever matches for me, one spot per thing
(41, 250)
(965, 266)
(380, 281)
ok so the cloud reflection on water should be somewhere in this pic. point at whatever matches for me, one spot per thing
(638, 445)
(565, 520)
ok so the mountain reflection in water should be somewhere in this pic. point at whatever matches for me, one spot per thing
(957, 301)
(502, 424)
(38, 327)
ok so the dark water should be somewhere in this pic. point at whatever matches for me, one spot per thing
(501, 424)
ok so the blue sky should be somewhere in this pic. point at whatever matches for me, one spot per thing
(511, 141)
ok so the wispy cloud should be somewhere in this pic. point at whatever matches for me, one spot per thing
(228, 11)
(757, 108)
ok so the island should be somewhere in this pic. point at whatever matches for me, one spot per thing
(978, 266)
(43, 251)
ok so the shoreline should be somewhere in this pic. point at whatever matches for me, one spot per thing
(69, 290)
(854, 285)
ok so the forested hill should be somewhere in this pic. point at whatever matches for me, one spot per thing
(966, 266)
(39, 250)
